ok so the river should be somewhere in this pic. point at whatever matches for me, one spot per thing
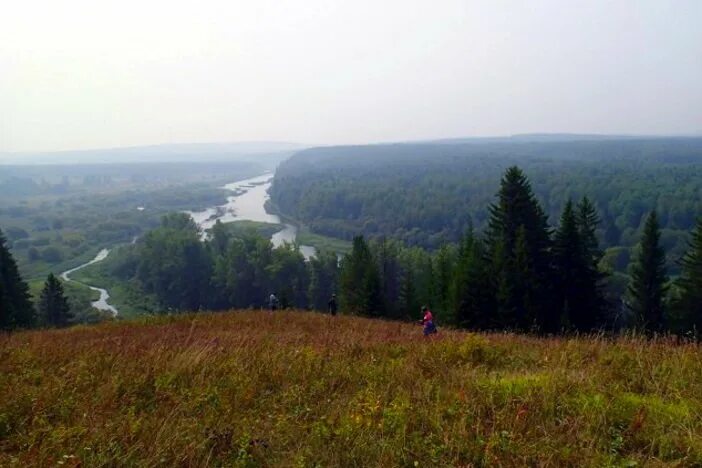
(101, 303)
(248, 203)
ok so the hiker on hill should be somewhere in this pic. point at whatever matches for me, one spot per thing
(331, 305)
(428, 321)
(273, 302)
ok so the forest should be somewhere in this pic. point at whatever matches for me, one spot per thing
(428, 194)
(56, 217)
(520, 274)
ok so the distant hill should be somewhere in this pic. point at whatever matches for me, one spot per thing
(543, 138)
(428, 193)
(186, 152)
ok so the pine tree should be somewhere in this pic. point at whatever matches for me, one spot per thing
(503, 279)
(473, 295)
(16, 309)
(408, 300)
(522, 284)
(359, 281)
(53, 304)
(571, 268)
(689, 302)
(386, 254)
(647, 287)
(593, 279)
(587, 220)
(444, 269)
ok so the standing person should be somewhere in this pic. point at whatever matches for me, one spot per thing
(273, 302)
(428, 321)
(331, 305)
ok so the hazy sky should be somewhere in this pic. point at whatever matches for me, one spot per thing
(88, 74)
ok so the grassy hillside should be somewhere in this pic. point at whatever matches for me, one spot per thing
(303, 389)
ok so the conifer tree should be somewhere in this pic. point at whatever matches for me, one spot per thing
(522, 284)
(574, 284)
(53, 304)
(408, 300)
(16, 309)
(647, 287)
(594, 298)
(385, 252)
(359, 281)
(473, 293)
(444, 269)
(587, 220)
(689, 302)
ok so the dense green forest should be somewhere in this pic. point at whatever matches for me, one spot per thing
(521, 273)
(601, 235)
(55, 217)
(427, 194)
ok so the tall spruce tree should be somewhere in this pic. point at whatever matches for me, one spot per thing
(647, 287)
(576, 282)
(53, 304)
(16, 310)
(444, 267)
(473, 295)
(518, 239)
(593, 279)
(359, 281)
(689, 302)
(408, 301)
(386, 254)
(587, 219)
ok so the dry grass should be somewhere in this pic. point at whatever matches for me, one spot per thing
(302, 389)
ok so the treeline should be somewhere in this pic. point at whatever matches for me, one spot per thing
(524, 275)
(428, 194)
(16, 307)
(521, 274)
(227, 270)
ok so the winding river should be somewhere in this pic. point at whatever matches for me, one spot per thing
(246, 203)
(101, 303)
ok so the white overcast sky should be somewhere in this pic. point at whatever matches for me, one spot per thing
(90, 74)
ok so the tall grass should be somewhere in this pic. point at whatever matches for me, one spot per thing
(303, 389)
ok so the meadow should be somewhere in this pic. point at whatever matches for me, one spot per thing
(305, 389)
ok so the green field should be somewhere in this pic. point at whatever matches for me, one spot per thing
(323, 243)
(304, 389)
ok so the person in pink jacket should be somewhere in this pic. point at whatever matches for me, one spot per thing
(428, 321)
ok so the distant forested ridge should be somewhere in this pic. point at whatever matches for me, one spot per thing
(426, 194)
(521, 273)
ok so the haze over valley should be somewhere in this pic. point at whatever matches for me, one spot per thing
(330, 233)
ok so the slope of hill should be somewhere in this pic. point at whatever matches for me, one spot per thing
(303, 389)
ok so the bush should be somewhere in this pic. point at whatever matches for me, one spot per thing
(40, 241)
(51, 255)
(14, 233)
(20, 244)
(33, 254)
